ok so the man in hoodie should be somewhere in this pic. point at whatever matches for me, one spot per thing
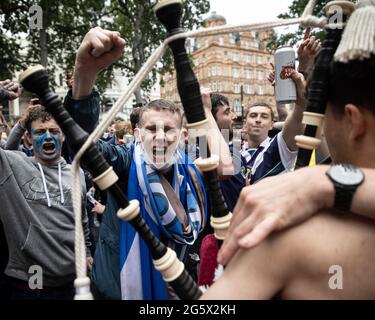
(37, 214)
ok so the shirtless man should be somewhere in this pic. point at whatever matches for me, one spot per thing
(331, 255)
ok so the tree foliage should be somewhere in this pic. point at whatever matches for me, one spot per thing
(295, 11)
(143, 33)
(65, 22)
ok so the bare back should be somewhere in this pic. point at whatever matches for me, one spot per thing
(330, 256)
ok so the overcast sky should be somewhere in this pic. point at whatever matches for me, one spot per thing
(248, 11)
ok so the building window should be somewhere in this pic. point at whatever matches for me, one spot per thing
(247, 44)
(216, 86)
(260, 60)
(196, 44)
(235, 56)
(219, 71)
(237, 106)
(213, 71)
(248, 73)
(249, 89)
(260, 75)
(225, 55)
(248, 58)
(206, 43)
(235, 72)
(221, 41)
(232, 38)
(260, 90)
(236, 88)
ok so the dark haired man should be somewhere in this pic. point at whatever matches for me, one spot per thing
(330, 256)
(231, 185)
(267, 156)
(37, 213)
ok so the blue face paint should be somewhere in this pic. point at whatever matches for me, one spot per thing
(38, 139)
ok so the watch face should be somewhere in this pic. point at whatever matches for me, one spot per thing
(346, 174)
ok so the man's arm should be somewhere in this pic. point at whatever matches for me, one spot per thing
(98, 50)
(307, 52)
(15, 137)
(293, 124)
(16, 134)
(259, 273)
(282, 201)
(9, 90)
(282, 112)
(216, 141)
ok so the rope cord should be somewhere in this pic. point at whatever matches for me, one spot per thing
(307, 20)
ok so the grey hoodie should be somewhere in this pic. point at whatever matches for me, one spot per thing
(37, 213)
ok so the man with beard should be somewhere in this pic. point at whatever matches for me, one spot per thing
(37, 213)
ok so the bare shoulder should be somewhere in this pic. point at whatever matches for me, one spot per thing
(329, 244)
(299, 263)
(331, 233)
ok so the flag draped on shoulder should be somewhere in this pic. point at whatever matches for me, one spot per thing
(139, 279)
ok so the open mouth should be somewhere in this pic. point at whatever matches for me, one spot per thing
(49, 147)
(159, 150)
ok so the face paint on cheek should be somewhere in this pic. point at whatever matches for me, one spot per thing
(38, 142)
(57, 141)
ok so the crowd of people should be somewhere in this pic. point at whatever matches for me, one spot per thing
(288, 227)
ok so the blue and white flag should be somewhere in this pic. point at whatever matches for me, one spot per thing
(139, 278)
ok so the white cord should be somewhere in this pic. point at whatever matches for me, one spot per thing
(80, 252)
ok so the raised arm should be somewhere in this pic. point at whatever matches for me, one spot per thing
(293, 124)
(15, 137)
(16, 134)
(98, 50)
(216, 141)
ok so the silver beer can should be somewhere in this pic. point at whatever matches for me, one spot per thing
(285, 89)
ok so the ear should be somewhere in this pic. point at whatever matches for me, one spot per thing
(62, 138)
(355, 120)
(28, 136)
(184, 134)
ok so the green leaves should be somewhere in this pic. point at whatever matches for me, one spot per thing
(295, 10)
(67, 21)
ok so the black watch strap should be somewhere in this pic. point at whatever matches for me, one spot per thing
(343, 197)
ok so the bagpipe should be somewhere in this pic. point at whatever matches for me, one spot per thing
(170, 14)
(313, 117)
(35, 79)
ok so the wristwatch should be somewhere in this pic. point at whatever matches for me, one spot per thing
(346, 178)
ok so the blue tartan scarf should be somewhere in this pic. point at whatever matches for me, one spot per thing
(139, 279)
